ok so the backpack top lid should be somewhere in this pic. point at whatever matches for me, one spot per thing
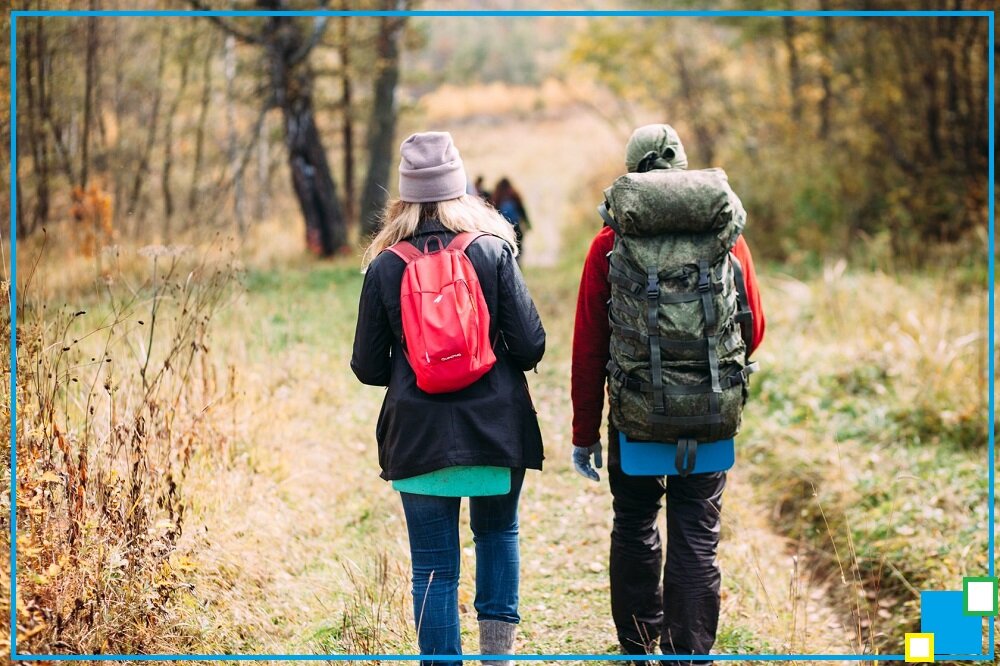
(677, 201)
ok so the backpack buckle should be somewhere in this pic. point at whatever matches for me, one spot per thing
(652, 283)
(704, 284)
(652, 288)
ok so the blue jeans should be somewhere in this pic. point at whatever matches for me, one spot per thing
(432, 524)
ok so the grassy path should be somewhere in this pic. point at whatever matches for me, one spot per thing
(298, 546)
(548, 171)
(303, 548)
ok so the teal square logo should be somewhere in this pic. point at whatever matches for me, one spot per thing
(979, 596)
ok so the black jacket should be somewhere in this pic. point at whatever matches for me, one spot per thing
(491, 422)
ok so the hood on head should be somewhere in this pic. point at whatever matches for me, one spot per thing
(655, 147)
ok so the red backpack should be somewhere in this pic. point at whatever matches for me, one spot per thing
(446, 326)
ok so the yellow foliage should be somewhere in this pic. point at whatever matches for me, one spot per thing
(449, 103)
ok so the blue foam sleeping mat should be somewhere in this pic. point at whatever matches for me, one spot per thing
(660, 458)
(459, 481)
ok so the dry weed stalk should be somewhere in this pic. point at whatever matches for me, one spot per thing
(112, 400)
(376, 619)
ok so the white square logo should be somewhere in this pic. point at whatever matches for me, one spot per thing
(920, 648)
(982, 596)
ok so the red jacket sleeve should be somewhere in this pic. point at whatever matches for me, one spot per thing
(591, 342)
(742, 252)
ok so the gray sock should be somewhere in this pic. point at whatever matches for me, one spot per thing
(496, 637)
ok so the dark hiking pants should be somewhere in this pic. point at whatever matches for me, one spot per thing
(680, 615)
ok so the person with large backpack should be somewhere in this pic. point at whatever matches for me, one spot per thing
(667, 316)
(446, 323)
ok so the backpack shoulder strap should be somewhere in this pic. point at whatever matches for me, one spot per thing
(463, 240)
(405, 250)
(608, 220)
(744, 315)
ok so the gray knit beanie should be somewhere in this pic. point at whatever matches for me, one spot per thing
(659, 139)
(430, 169)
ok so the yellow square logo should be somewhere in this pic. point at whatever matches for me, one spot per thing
(919, 648)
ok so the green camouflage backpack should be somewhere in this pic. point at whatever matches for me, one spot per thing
(681, 325)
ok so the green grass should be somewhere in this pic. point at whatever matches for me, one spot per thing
(738, 639)
(864, 461)
(867, 434)
(862, 455)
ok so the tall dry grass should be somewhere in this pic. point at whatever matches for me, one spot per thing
(873, 439)
(116, 387)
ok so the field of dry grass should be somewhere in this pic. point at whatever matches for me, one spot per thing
(860, 476)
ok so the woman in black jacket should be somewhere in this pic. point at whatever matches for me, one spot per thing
(491, 422)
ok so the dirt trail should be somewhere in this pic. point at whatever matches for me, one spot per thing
(299, 547)
(547, 170)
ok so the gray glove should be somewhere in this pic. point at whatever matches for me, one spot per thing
(581, 460)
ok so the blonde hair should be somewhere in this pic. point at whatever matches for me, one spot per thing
(466, 213)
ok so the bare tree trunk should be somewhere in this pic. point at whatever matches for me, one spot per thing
(232, 152)
(953, 121)
(869, 65)
(825, 78)
(794, 74)
(930, 81)
(199, 136)
(382, 126)
(312, 179)
(45, 99)
(99, 90)
(703, 133)
(168, 149)
(142, 171)
(22, 224)
(291, 81)
(88, 98)
(261, 199)
(37, 137)
(118, 175)
(976, 142)
(347, 110)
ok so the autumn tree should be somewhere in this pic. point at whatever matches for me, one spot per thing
(382, 124)
(286, 43)
(833, 129)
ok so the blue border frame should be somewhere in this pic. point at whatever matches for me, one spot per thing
(14, 656)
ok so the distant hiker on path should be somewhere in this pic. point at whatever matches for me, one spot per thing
(481, 190)
(507, 200)
(488, 421)
(668, 377)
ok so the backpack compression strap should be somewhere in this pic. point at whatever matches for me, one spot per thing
(728, 380)
(744, 315)
(711, 321)
(653, 337)
(687, 452)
